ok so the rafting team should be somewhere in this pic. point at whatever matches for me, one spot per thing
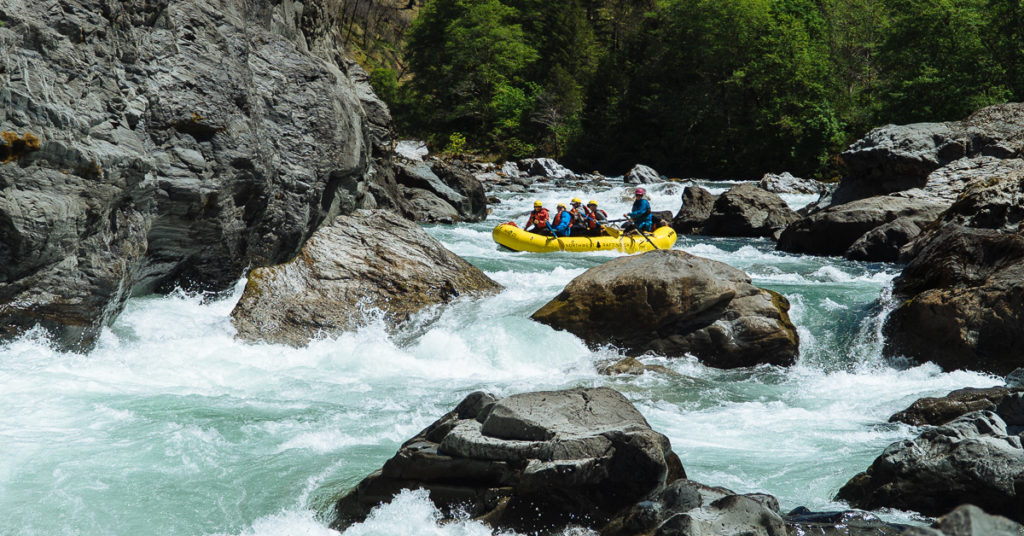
(588, 220)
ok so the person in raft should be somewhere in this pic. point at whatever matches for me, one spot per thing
(595, 218)
(579, 218)
(640, 216)
(562, 221)
(538, 219)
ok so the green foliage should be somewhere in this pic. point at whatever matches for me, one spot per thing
(728, 88)
(456, 143)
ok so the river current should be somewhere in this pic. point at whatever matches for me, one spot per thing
(170, 426)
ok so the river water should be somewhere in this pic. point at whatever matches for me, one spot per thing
(170, 426)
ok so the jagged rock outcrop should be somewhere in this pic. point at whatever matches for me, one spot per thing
(172, 143)
(936, 411)
(748, 211)
(961, 292)
(786, 183)
(673, 303)
(697, 205)
(834, 230)
(542, 462)
(439, 192)
(368, 259)
(901, 157)
(975, 459)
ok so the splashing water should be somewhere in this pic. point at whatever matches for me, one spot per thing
(171, 426)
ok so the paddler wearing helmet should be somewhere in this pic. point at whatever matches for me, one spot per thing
(538, 219)
(640, 216)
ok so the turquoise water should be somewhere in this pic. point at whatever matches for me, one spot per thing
(172, 427)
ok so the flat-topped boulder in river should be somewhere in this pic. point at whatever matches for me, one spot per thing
(369, 259)
(545, 461)
(673, 303)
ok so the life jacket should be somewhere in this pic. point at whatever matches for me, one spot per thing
(592, 220)
(538, 218)
(557, 222)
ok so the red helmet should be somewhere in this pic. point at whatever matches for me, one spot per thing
(640, 191)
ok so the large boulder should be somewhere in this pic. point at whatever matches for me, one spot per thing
(641, 174)
(441, 192)
(901, 157)
(697, 205)
(973, 459)
(545, 167)
(834, 230)
(543, 462)
(968, 520)
(673, 303)
(368, 259)
(749, 211)
(786, 183)
(171, 143)
(884, 243)
(529, 462)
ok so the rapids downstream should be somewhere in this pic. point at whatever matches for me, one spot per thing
(172, 427)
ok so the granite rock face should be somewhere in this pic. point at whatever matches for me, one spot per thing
(179, 142)
(786, 183)
(673, 303)
(901, 157)
(368, 259)
(641, 174)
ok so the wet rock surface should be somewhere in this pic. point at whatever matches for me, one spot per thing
(371, 259)
(937, 411)
(697, 206)
(977, 458)
(786, 183)
(673, 303)
(748, 211)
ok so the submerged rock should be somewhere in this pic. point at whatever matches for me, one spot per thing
(973, 459)
(372, 259)
(748, 211)
(673, 303)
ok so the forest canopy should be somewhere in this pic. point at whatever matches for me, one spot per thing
(718, 88)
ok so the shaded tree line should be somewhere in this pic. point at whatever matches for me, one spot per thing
(724, 88)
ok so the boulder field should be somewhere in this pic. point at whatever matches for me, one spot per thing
(673, 303)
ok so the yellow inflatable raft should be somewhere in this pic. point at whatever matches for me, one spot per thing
(515, 238)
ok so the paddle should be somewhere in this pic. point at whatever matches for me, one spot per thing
(643, 234)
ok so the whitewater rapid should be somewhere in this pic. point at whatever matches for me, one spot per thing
(170, 426)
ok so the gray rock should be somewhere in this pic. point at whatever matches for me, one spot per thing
(883, 243)
(786, 183)
(971, 459)
(969, 520)
(530, 462)
(676, 304)
(697, 205)
(834, 230)
(510, 169)
(846, 523)
(545, 167)
(901, 157)
(937, 411)
(219, 141)
(457, 195)
(1015, 379)
(369, 259)
(413, 150)
(951, 180)
(641, 174)
(746, 210)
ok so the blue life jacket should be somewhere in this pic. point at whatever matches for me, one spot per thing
(641, 214)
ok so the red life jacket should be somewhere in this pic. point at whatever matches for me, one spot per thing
(592, 218)
(558, 218)
(538, 218)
